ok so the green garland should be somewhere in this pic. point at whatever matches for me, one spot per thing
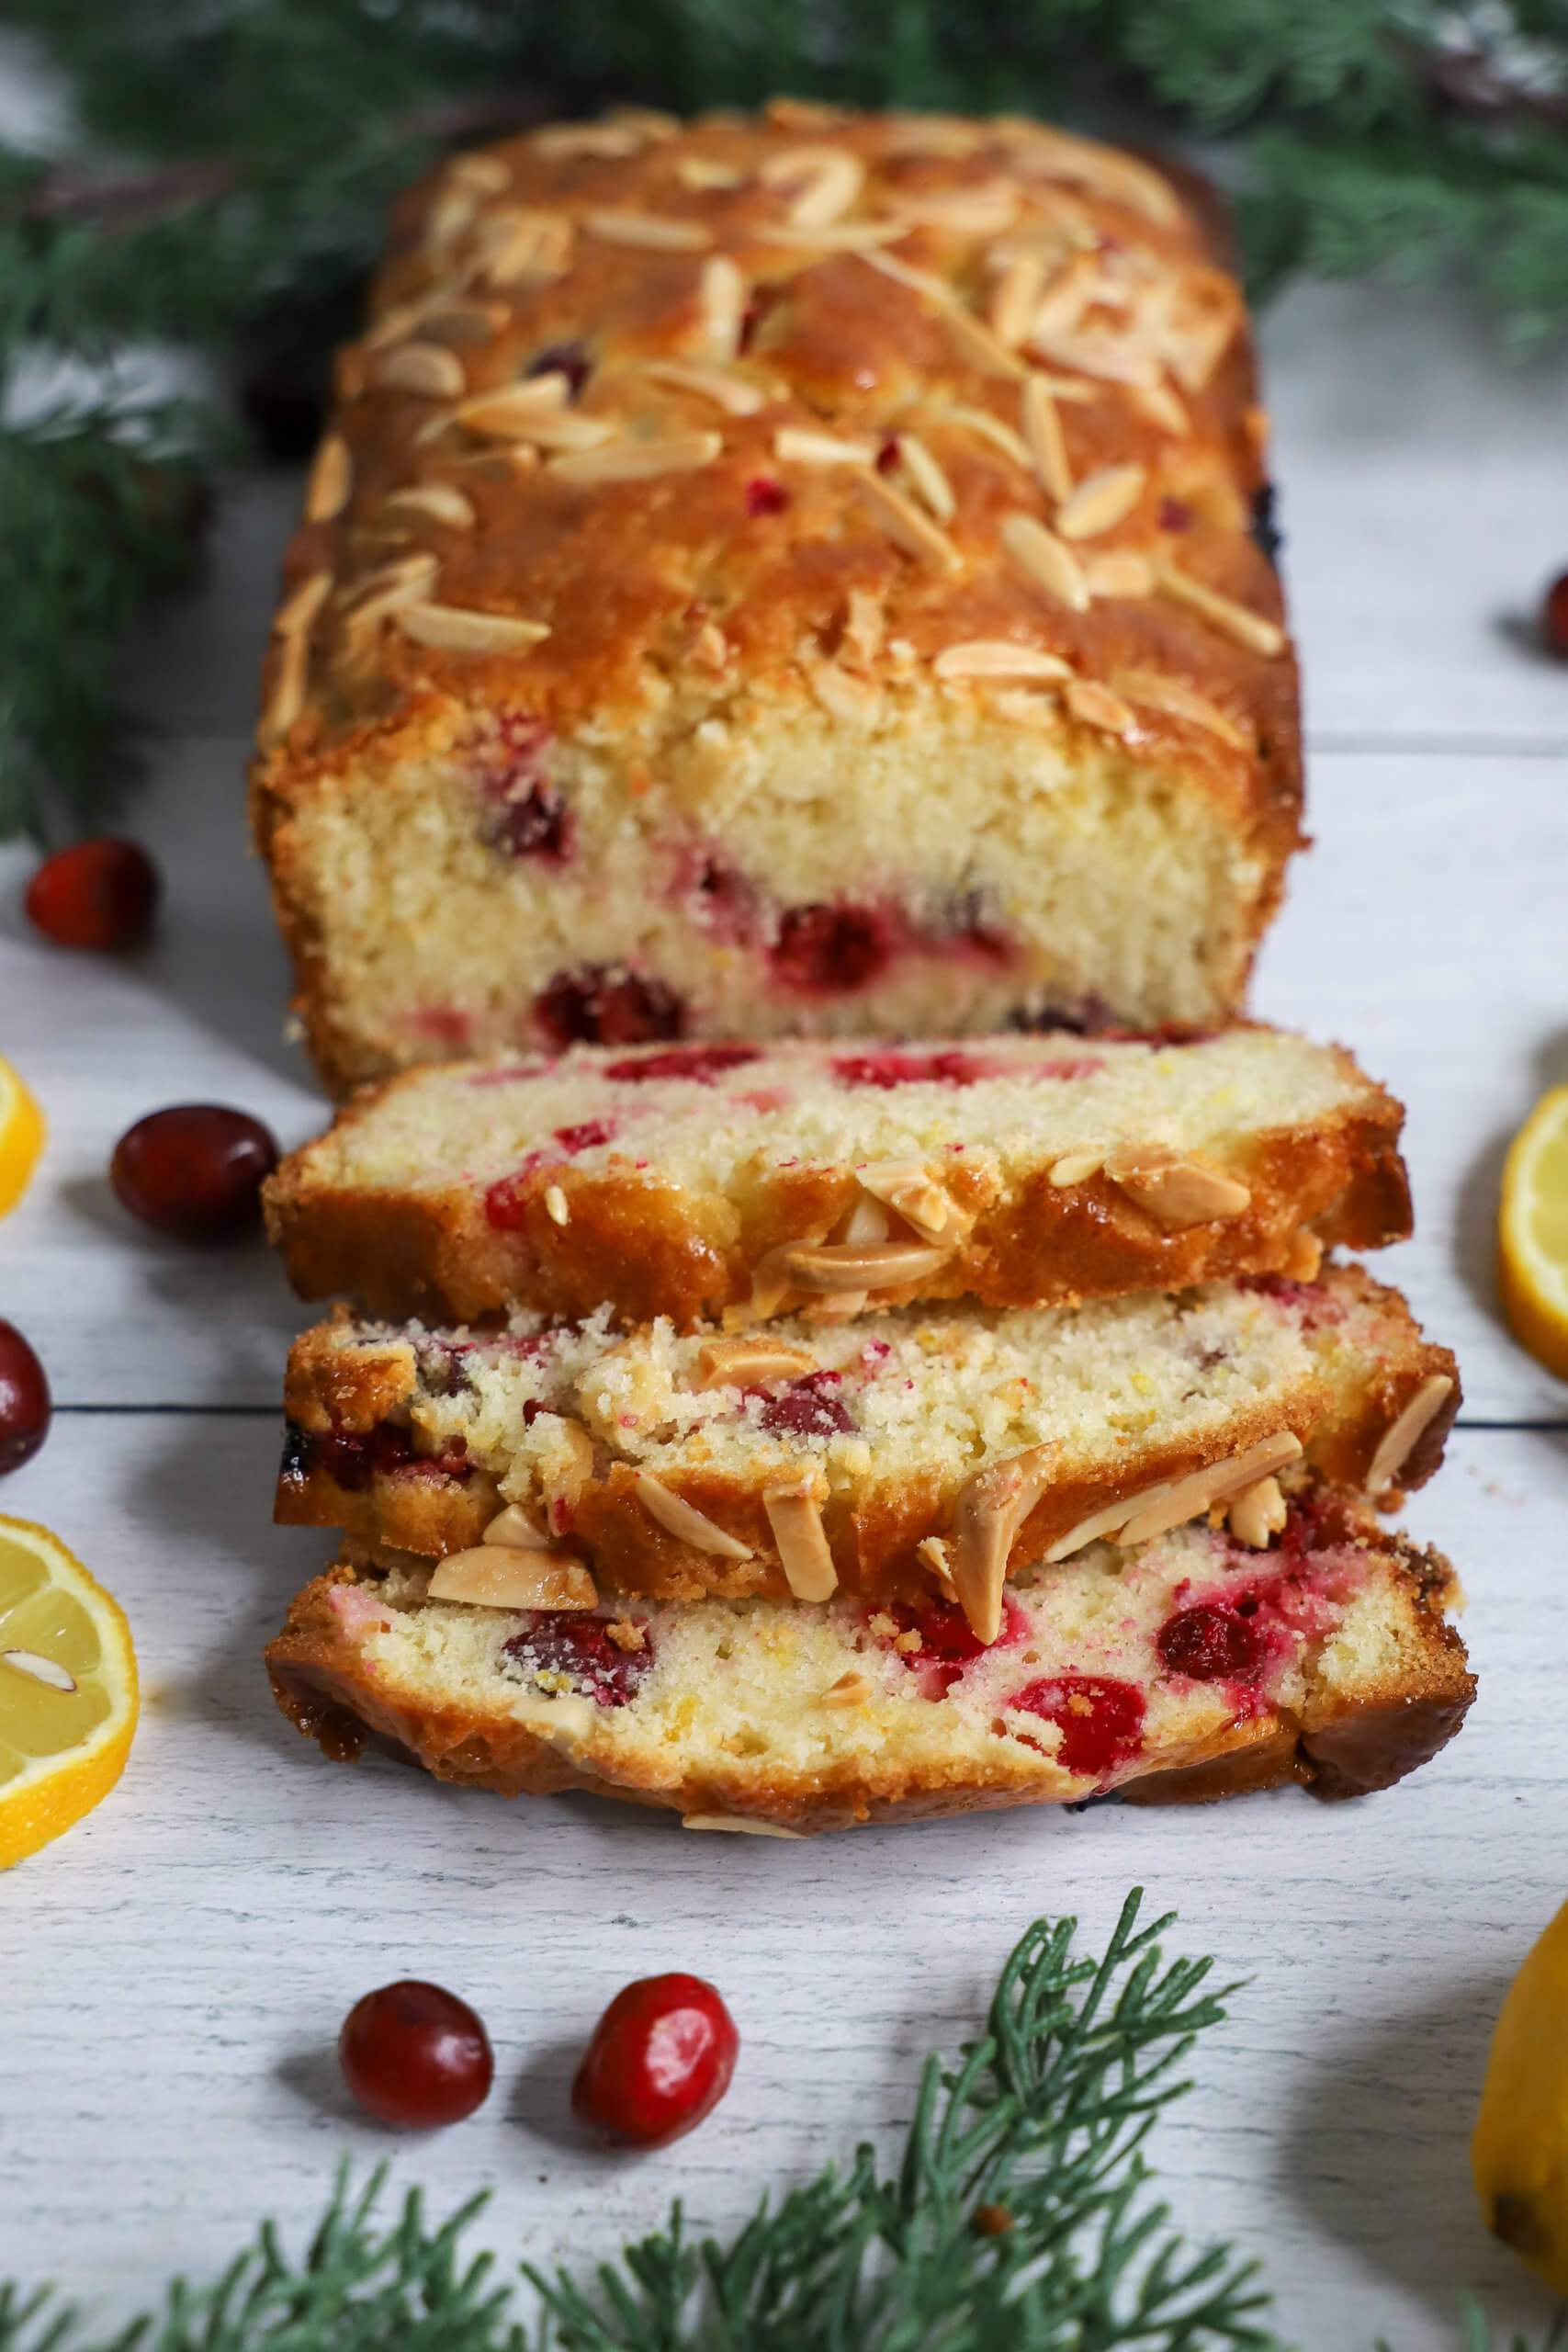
(1415, 136)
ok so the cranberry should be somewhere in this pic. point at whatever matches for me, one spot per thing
(808, 1408)
(888, 454)
(765, 496)
(415, 2056)
(539, 826)
(583, 1648)
(948, 1068)
(1100, 1719)
(660, 2060)
(947, 1643)
(1174, 515)
(607, 1004)
(1211, 1644)
(586, 1135)
(826, 948)
(567, 359)
(1554, 617)
(24, 1400)
(96, 894)
(506, 1201)
(195, 1169)
(702, 1063)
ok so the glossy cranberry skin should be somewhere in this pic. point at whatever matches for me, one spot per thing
(660, 2061)
(415, 2056)
(1554, 617)
(194, 1171)
(99, 894)
(24, 1400)
(1211, 1643)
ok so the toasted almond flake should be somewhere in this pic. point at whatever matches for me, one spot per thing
(837, 237)
(1176, 1188)
(1105, 1522)
(298, 610)
(1076, 1168)
(531, 251)
(331, 484)
(841, 1306)
(436, 501)
(683, 1519)
(1101, 501)
(850, 1690)
(456, 629)
(737, 1363)
(905, 524)
(1189, 1497)
(740, 1823)
(857, 701)
(771, 1281)
(449, 216)
(991, 428)
(803, 114)
(1162, 407)
(1023, 708)
(796, 445)
(1193, 323)
(680, 453)
(626, 1634)
(1232, 620)
(566, 430)
(904, 1186)
(991, 1509)
(721, 296)
(516, 408)
(1400, 1439)
(657, 230)
(427, 369)
(949, 135)
(928, 477)
(286, 700)
(407, 582)
(865, 625)
(932, 1554)
(465, 322)
(998, 657)
(1256, 1513)
(923, 282)
(1159, 692)
(977, 347)
(1066, 298)
(516, 1530)
(847, 1265)
(826, 181)
(494, 1576)
(868, 1223)
(490, 174)
(701, 173)
(794, 1515)
(1043, 437)
(1115, 359)
(1095, 705)
(559, 140)
(1084, 162)
(732, 393)
(1015, 299)
(653, 123)
(985, 209)
(434, 428)
(1119, 572)
(39, 1669)
(1050, 564)
(558, 1208)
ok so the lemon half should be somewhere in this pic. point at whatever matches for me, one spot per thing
(21, 1137)
(1532, 1233)
(68, 1694)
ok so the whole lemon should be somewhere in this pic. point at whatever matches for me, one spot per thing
(1519, 2150)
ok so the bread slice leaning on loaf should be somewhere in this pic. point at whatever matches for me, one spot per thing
(766, 578)
(905, 1452)
(688, 1181)
(1185, 1668)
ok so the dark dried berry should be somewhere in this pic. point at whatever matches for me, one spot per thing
(765, 496)
(99, 894)
(568, 359)
(195, 1170)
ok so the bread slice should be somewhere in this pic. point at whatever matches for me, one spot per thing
(804, 1458)
(1185, 1668)
(711, 617)
(1023, 1172)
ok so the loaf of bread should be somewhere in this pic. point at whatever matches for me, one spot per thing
(898, 1453)
(779, 576)
(1188, 1667)
(688, 1181)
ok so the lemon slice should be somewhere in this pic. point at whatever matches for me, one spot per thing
(1532, 1232)
(21, 1137)
(68, 1693)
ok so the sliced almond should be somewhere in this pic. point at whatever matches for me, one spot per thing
(47, 1671)
(683, 1520)
(657, 232)
(701, 173)
(649, 122)
(850, 1690)
(1192, 1495)
(1067, 296)
(932, 1554)
(497, 1578)
(1256, 1513)
(1108, 172)
(847, 1265)
(519, 411)
(721, 293)
(826, 180)
(1101, 501)
(795, 444)
(796, 1517)
(1114, 358)
(989, 428)
(298, 609)
(739, 1821)
(456, 629)
(1043, 433)
(1170, 694)
(1095, 705)
(1175, 1189)
(991, 1509)
(834, 237)
(737, 1363)
(490, 174)
(997, 657)
(770, 1281)
(904, 1186)
(1400, 1439)
(1119, 571)
(1047, 561)
(558, 1208)
(286, 700)
(567, 431)
(976, 346)
(950, 135)
(928, 477)
(466, 322)
(1105, 1522)
(680, 453)
(388, 589)
(428, 368)
(732, 393)
(983, 209)
(905, 524)
(1076, 1168)
(868, 1224)
(436, 502)
(331, 483)
(561, 139)
(1016, 297)
(516, 1530)
(1232, 620)
(529, 250)
(1162, 407)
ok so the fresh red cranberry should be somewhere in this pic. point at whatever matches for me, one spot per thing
(825, 949)
(1211, 1643)
(765, 496)
(1174, 515)
(539, 826)
(415, 2056)
(24, 1400)
(1100, 1719)
(1555, 616)
(567, 359)
(888, 453)
(586, 1135)
(506, 1201)
(808, 1408)
(947, 1642)
(195, 1170)
(949, 1068)
(581, 1647)
(607, 1004)
(97, 894)
(702, 1063)
(660, 2060)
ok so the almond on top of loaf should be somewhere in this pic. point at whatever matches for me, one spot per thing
(689, 1181)
(764, 579)
(908, 1451)
(1185, 1668)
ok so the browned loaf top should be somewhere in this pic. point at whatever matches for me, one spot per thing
(908, 1451)
(690, 1181)
(1189, 1666)
(773, 576)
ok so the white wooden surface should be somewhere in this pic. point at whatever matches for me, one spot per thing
(174, 1972)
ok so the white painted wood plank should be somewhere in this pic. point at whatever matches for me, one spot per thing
(175, 1970)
